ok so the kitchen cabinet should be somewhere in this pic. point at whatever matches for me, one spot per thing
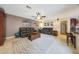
(2, 26)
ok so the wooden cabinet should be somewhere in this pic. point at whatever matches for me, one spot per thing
(2, 26)
(73, 23)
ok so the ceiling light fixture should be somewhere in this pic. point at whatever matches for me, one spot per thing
(28, 7)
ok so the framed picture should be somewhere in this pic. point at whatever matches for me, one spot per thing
(44, 24)
(47, 23)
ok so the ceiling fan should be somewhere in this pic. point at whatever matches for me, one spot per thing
(39, 16)
(29, 7)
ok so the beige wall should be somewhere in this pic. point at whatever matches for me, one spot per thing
(57, 24)
(14, 22)
(64, 17)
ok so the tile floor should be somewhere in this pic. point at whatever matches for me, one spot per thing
(46, 44)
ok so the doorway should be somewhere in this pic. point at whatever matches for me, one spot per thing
(63, 27)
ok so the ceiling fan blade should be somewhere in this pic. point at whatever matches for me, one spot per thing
(28, 6)
(43, 16)
(37, 13)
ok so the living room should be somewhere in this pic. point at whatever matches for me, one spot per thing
(40, 28)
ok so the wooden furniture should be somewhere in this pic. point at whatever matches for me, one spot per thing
(34, 35)
(77, 42)
(55, 33)
(73, 23)
(2, 26)
(72, 39)
(70, 36)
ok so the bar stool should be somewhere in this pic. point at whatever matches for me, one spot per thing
(72, 39)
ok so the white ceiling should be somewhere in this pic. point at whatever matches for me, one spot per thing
(49, 10)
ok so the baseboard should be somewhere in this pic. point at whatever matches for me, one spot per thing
(10, 37)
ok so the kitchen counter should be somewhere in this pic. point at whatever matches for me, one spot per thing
(77, 42)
